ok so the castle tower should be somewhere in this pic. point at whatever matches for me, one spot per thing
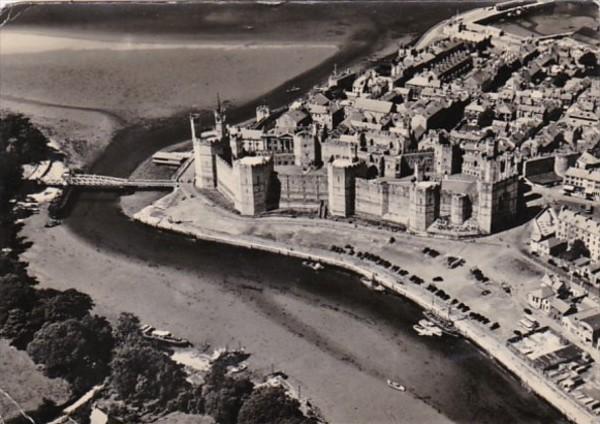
(304, 148)
(446, 159)
(220, 120)
(418, 172)
(262, 112)
(341, 179)
(459, 208)
(236, 145)
(498, 197)
(424, 206)
(254, 175)
(206, 146)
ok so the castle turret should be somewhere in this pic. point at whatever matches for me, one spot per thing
(341, 179)
(255, 174)
(424, 206)
(206, 146)
(459, 208)
(220, 120)
(446, 159)
(498, 194)
(262, 112)
(304, 148)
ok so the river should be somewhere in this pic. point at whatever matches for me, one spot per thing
(450, 374)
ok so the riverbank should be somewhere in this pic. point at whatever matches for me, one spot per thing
(167, 213)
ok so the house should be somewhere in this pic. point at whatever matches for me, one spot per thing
(538, 298)
(585, 325)
(559, 308)
(543, 239)
(325, 112)
(549, 247)
(374, 109)
(292, 120)
(555, 283)
(594, 274)
(588, 161)
(585, 180)
(573, 226)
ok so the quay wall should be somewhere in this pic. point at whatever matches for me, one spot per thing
(469, 329)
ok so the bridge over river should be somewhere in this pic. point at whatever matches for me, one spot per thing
(110, 183)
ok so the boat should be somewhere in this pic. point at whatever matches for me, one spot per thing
(314, 265)
(163, 336)
(372, 284)
(426, 323)
(444, 324)
(427, 331)
(395, 385)
(271, 2)
(293, 89)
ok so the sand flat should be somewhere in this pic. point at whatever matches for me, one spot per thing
(156, 83)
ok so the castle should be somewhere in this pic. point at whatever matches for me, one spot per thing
(283, 161)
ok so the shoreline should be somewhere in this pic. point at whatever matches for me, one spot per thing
(500, 354)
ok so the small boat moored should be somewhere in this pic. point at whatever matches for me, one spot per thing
(395, 385)
(314, 265)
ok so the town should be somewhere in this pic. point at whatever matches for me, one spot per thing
(471, 132)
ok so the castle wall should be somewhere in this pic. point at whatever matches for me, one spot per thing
(384, 200)
(302, 190)
(204, 163)
(549, 164)
(371, 197)
(227, 179)
(398, 203)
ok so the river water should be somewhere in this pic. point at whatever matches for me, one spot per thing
(468, 387)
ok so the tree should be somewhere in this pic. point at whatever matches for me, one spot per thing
(77, 350)
(15, 294)
(141, 375)
(128, 326)
(271, 405)
(49, 306)
(588, 60)
(223, 395)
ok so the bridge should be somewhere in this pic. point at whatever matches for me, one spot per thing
(109, 183)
